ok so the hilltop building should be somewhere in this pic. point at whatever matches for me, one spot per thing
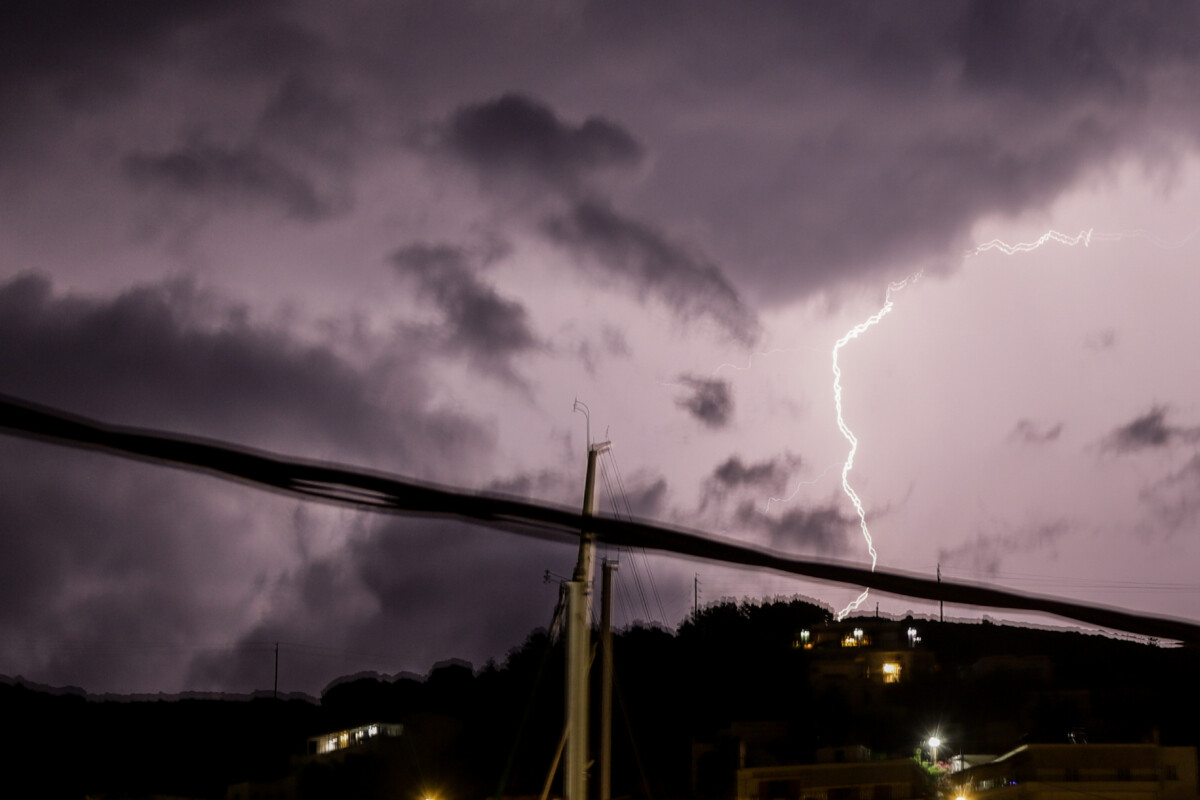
(366, 758)
(840, 774)
(1074, 771)
(862, 657)
(351, 737)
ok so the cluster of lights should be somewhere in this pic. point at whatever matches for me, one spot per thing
(854, 639)
(354, 736)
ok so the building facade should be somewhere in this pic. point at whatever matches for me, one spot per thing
(893, 779)
(1081, 771)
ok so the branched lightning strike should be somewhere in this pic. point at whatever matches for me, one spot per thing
(750, 360)
(854, 333)
(1084, 237)
(796, 491)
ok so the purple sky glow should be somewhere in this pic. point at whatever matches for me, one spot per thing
(409, 235)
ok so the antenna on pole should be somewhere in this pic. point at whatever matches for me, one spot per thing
(582, 406)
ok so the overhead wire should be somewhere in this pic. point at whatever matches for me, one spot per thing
(1074, 582)
(645, 559)
(613, 498)
(396, 495)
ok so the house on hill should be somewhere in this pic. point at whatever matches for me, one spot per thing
(1074, 771)
(858, 655)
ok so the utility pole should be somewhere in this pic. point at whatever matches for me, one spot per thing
(695, 598)
(941, 604)
(275, 691)
(606, 678)
(579, 628)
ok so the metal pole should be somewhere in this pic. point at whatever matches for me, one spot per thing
(587, 540)
(554, 767)
(579, 654)
(275, 691)
(606, 679)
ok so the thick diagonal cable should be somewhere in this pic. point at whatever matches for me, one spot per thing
(397, 495)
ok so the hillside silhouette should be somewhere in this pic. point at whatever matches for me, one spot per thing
(734, 686)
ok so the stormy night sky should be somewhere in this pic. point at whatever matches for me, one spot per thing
(407, 236)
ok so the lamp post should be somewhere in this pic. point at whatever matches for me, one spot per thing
(934, 743)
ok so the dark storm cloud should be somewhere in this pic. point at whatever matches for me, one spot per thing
(646, 501)
(407, 593)
(115, 573)
(91, 53)
(734, 473)
(112, 572)
(86, 47)
(692, 286)
(813, 144)
(611, 342)
(63, 58)
(308, 115)
(488, 327)
(424, 592)
(825, 531)
(1174, 501)
(987, 551)
(1050, 52)
(1149, 431)
(710, 400)
(1031, 432)
(517, 134)
(883, 133)
(222, 174)
(168, 355)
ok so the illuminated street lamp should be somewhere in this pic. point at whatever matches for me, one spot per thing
(934, 742)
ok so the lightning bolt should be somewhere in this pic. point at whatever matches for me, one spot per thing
(796, 491)
(854, 333)
(1084, 237)
(750, 360)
